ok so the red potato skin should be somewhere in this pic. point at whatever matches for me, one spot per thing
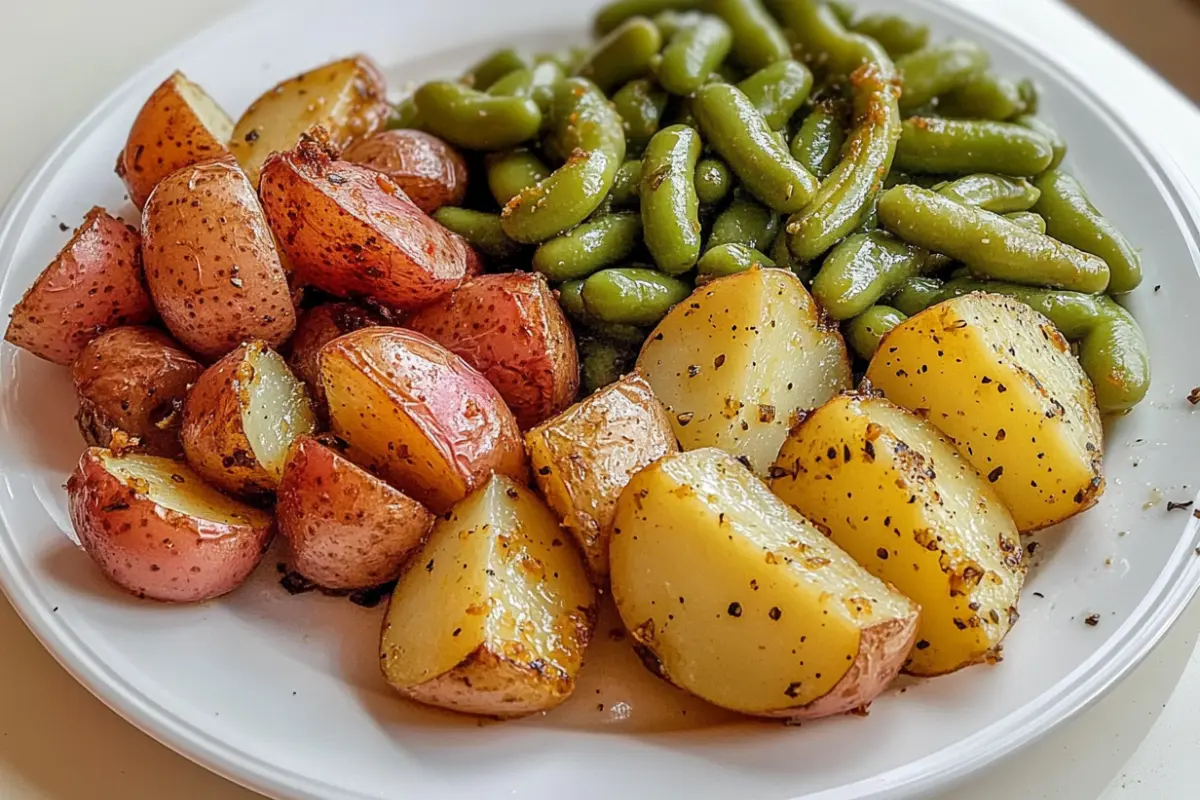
(94, 283)
(346, 529)
(152, 551)
(511, 329)
(211, 262)
(351, 231)
(431, 172)
(318, 326)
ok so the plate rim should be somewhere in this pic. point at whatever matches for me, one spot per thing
(1148, 623)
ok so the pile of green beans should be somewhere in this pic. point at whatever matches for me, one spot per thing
(696, 139)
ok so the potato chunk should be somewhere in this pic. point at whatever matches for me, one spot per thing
(896, 495)
(732, 595)
(494, 616)
(1000, 380)
(738, 361)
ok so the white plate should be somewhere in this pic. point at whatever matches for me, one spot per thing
(283, 694)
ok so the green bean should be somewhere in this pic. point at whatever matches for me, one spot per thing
(670, 206)
(696, 49)
(898, 35)
(824, 40)
(964, 147)
(1071, 218)
(1027, 220)
(492, 68)
(757, 38)
(640, 104)
(624, 54)
(914, 295)
(728, 259)
(747, 223)
(632, 295)
(474, 120)
(404, 115)
(992, 192)
(938, 69)
(585, 127)
(732, 126)
(865, 268)
(481, 230)
(627, 184)
(778, 90)
(614, 14)
(866, 331)
(598, 243)
(570, 297)
(714, 182)
(603, 362)
(510, 173)
(1057, 142)
(1029, 95)
(818, 143)
(984, 96)
(990, 245)
(537, 82)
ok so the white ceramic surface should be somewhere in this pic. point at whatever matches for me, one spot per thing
(282, 693)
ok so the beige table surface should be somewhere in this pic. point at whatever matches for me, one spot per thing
(57, 742)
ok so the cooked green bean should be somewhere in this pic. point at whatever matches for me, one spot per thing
(585, 127)
(732, 126)
(492, 68)
(1028, 220)
(474, 120)
(570, 297)
(778, 90)
(1071, 218)
(866, 331)
(938, 69)
(992, 192)
(824, 41)
(404, 115)
(747, 223)
(914, 295)
(627, 184)
(612, 15)
(757, 38)
(714, 181)
(987, 243)
(1057, 142)
(510, 173)
(537, 82)
(984, 96)
(632, 295)
(670, 206)
(481, 230)
(728, 259)
(1030, 97)
(964, 147)
(640, 104)
(624, 54)
(842, 10)
(603, 362)
(865, 268)
(818, 143)
(598, 243)
(898, 35)
(697, 48)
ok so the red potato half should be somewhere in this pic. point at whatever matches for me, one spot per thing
(318, 327)
(351, 231)
(94, 283)
(511, 329)
(419, 416)
(432, 173)
(178, 126)
(345, 528)
(211, 262)
(157, 530)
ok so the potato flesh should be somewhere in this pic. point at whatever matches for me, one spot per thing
(275, 410)
(997, 378)
(737, 362)
(740, 598)
(898, 498)
(174, 486)
(210, 115)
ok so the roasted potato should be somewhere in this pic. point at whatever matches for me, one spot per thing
(345, 528)
(432, 173)
(735, 597)
(511, 329)
(494, 616)
(178, 126)
(317, 327)
(134, 379)
(895, 494)
(93, 284)
(211, 261)
(347, 99)
(352, 232)
(585, 456)
(242, 416)
(157, 530)
(418, 416)
(1000, 380)
(738, 361)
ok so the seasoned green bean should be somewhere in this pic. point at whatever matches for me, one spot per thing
(990, 245)
(481, 230)
(697, 48)
(866, 331)
(627, 184)
(1071, 218)
(632, 295)
(510, 173)
(747, 223)
(1030, 96)
(598, 243)
(964, 147)
(624, 54)
(1028, 220)
(818, 143)
(757, 38)
(824, 41)
(1057, 142)
(898, 35)
(537, 82)
(984, 96)
(938, 69)
(640, 104)
(603, 362)
(492, 68)
(714, 181)
(612, 15)
(570, 297)
(843, 11)
(992, 192)
(914, 295)
(778, 90)
(474, 120)
(728, 259)
(865, 268)
(670, 206)
(404, 115)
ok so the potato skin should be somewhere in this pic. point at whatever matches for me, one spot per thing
(211, 262)
(94, 283)
(170, 133)
(134, 379)
(317, 327)
(156, 552)
(431, 172)
(352, 232)
(346, 529)
(510, 328)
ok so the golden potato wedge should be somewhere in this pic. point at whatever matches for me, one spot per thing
(242, 416)
(94, 283)
(895, 494)
(585, 456)
(345, 528)
(211, 262)
(738, 361)
(431, 172)
(735, 597)
(350, 231)
(179, 125)
(495, 614)
(1000, 380)
(317, 327)
(418, 416)
(510, 327)
(157, 530)
(347, 98)
(134, 379)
